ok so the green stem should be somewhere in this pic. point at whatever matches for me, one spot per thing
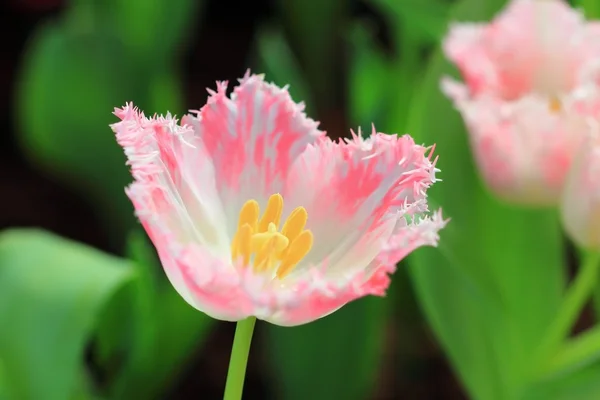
(579, 352)
(591, 8)
(239, 358)
(577, 295)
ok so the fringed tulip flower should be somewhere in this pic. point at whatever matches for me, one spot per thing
(580, 209)
(526, 73)
(255, 212)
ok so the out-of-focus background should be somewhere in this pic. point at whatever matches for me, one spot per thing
(66, 64)
(85, 309)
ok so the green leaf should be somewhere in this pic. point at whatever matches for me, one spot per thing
(491, 295)
(6, 392)
(576, 353)
(384, 86)
(425, 20)
(166, 330)
(581, 384)
(154, 31)
(336, 357)
(51, 293)
(165, 93)
(369, 75)
(591, 8)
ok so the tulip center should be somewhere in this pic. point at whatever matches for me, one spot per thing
(555, 105)
(261, 245)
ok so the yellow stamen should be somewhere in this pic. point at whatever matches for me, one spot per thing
(272, 213)
(555, 105)
(249, 214)
(296, 252)
(266, 256)
(294, 225)
(242, 244)
(260, 239)
(260, 244)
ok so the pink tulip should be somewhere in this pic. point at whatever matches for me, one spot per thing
(580, 209)
(528, 74)
(255, 212)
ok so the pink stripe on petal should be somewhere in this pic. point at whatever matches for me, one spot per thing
(174, 193)
(319, 294)
(365, 201)
(232, 297)
(228, 294)
(253, 137)
(352, 187)
(316, 295)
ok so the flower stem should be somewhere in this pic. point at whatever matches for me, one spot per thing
(590, 7)
(575, 299)
(239, 358)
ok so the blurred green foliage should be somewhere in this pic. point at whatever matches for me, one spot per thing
(314, 30)
(502, 300)
(489, 291)
(97, 56)
(51, 293)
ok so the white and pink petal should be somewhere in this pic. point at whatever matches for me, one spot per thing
(253, 137)
(353, 189)
(174, 188)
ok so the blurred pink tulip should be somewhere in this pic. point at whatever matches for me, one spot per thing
(530, 85)
(580, 208)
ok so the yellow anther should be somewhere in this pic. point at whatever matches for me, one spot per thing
(272, 213)
(249, 215)
(266, 257)
(241, 245)
(296, 252)
(295, 223)
(260, 244)
(259, 239)
(555, 104)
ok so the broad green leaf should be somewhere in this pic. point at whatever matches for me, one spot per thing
(52, 291)
(165, 93)
(423, 19)
(581, 351)
(490, 295)
(336, 357)
(591, 8)
(155, 31)
(166, 331)
(404, 80)
(414, 27)
(369, 74)
(6, 392)
(581, 384)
